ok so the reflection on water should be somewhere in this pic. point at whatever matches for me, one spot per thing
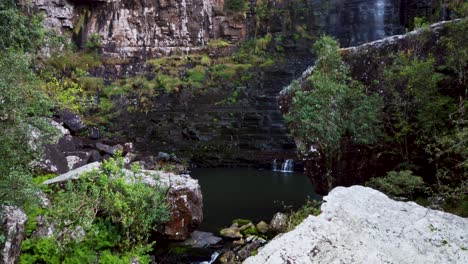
(248, 193)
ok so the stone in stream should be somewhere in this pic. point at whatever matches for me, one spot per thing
(279, 223)
(199, 239)
(263, 227)
(362, 225)
(231, 232)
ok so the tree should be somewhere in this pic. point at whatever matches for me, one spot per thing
(336, 111)
(18, 30)
(21, 105)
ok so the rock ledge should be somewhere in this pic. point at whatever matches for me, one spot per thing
(362, 225)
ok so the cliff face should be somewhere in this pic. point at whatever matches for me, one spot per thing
(146, 28)
(251, 129)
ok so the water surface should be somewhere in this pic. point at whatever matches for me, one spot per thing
(248, 193)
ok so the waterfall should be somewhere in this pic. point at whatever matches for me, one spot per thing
(214, 256)
(287, 166)
(379, 19)
(275, 165)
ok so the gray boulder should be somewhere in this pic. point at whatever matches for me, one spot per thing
(71, 121)
(362, 225)
(162, 156)
(12, 223)
(111, 150)
(199, 239)
(279, 223)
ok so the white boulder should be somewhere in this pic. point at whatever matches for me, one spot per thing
(362, 225)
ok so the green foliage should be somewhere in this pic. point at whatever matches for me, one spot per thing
(241, 222)
(420, 23)
(456, 59)
(94, 42)
(17, 30)
(218, 43)
(296, 217)
(335, 109)
(69, 61)
(398, 183)
(115, 210)
(415, 106)
(235, 5)
(21, 105)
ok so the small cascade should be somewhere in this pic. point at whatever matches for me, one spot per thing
(275, 165)
(214, 256)
(379, 19)
(287, 166)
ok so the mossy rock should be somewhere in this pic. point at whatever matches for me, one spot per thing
(251, 230)
(231, 233)
(241, 222)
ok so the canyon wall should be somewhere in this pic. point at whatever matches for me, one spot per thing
(250, 130)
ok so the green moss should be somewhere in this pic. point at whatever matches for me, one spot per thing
(251, 231)
(169, 83)
(68, 61)
(218, 43)
(105, 104)
(241, 222)
(91, 83)
(197, 74)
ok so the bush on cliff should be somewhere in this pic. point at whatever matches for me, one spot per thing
(335, 111)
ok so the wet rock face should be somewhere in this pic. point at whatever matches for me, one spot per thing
(362, 225)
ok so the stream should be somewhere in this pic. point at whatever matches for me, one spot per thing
(231, 193)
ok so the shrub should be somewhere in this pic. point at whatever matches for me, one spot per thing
(94, 42)
(17, 30)
(335, 109)
(296, 217)
(218, 43)
(235, 5)
(21, 106)
(115, 210)
(398, 183)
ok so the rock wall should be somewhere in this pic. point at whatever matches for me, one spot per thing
(213, 131)
(141, 29)
(362, 225)
(249, 131)
(147, 28)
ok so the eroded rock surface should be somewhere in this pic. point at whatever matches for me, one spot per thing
(12, 224)
(137, 28)
(362, 225)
